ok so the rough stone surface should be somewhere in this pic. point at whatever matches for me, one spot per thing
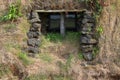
(88, 56)
(33, 49)
(33, 42)
(35, 20)
(87, 39)
(32, 34)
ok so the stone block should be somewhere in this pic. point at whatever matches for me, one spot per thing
(33, 42)
(33, 49)
(87, 40)
(88, 56)
(33, 34)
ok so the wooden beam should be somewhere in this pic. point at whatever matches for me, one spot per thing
(54, 11)
(62, 26)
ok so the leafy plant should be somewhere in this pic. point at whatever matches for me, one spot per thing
(13, 12)
(80, 56)
(95, 51)
(24, 58)
(100, 29)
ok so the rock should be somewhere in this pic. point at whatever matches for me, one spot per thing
(86, 29)
(33, 49)
(35, 20)
(87, 40)
(34, 15)
(87, 13)
(87, 33)
(32, 34)
(84, 21)
(33, 42)
(86, 48)
(88, 56)
(36, 25)
(88, 25)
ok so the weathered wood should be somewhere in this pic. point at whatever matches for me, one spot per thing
(62, 27)
(54, 11)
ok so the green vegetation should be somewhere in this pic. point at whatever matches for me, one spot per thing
(4, 70)
(95, 51)
(24, 58)
(62, 78)
(10, 27)
(13, 13)
(65, 66)
(37, 77)
(46, 57)
(99, 29)
(10, 45)
(45, 77)
(54, 37)
(57, 37)
(80, 56)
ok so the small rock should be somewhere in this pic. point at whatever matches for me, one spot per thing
(84, 21)
(33, 42)
(36, 25)
(88, 25)
(87, 29)
(88, 56)
(87, 49)
(87, 33)
(35, 20)
(34, 15)
(87, 40)
(86, 46)
(33, 49)
(32, 34)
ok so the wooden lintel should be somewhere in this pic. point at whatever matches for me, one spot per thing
(57, 11)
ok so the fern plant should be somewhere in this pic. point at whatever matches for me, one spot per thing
(13, 13)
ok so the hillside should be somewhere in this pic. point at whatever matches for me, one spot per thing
(59, 58)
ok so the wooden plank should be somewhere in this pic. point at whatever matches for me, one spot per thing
(54, 11)
(62, 27)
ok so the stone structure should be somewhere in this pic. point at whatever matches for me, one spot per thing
(86, 24)
(34, 33)
(87, 39)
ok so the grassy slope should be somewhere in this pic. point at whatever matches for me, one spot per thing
(55, 65)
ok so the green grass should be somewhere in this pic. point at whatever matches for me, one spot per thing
(10, 27)
(4, 70)
(45, 77)
(95, 51)
(37, 77)
(80, 56)
(57, 37)
(62, 78)
(24, 58)
(11, 45)
(46, 57)
(54, 37)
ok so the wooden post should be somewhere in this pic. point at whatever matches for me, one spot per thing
(62, 27)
